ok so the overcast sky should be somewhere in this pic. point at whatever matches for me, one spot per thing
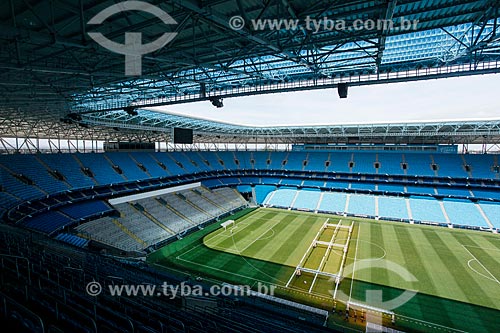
(475, 97)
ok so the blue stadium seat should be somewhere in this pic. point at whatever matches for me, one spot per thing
(171, 165)
(492, 212)
(391, 187)
(333, 202)
(392, 207)
(17, 188)
(362, 186)
(72, 239)
(307, 199)
(427, 210)
(85, 209)
(291, 181)
(364, 163)
(486, 194)
(261, 192)
(48, 222)
(316, 161)
(67, 165)
(29, 166)
(281, 198)
(318, 183)
(361, 205)
(150, 164)
(229, 159)
(464, 212)
(419, 164)
(390, 163)
(450, 165)
(481, 165)
(340, 162)
(101, 167)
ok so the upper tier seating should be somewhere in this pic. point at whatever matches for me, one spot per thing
(28, 177)
(390, 163)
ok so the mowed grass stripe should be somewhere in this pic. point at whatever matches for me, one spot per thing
(240, 238)
(376, 233)
(297, 242)
(490, 287)
(474, 314)
(495, 241)
(396, 252)
(411, 254)
(284, 248)
(245, 266)
(438, 258)
(233, 268)
(265, 247)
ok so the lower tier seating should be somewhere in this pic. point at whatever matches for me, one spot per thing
(457, 213)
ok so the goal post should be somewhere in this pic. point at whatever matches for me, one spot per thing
(227, 224)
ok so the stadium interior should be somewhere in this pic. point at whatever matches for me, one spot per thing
(98, 187)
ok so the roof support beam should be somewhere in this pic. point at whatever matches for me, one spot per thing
(389, 13)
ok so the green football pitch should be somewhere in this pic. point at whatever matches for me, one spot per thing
(451, 277)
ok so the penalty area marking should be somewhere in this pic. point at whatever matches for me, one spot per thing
(267, 237)
(493, 278)
(258, 238)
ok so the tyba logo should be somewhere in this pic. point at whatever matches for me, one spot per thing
(133, 49)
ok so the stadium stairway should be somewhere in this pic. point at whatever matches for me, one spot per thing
(210, 200)
(175, 211)
(130, 233)
(483, 214)
(152, 218)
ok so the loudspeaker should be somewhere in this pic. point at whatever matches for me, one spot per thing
(203, 90)
(343, 87)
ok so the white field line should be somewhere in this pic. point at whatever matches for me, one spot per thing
(251, 278)
(221, 270)
(480, 263)
(202, 243)
(245, 224)
(429, 324)
(256, 239)
(355, 257)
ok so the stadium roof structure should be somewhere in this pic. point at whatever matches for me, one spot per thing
(52, 70)
(208, 131)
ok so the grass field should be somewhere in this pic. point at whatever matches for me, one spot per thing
(455, 273)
